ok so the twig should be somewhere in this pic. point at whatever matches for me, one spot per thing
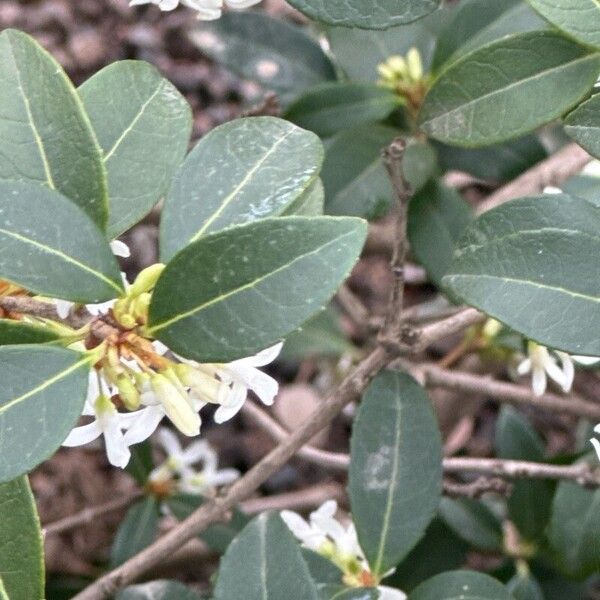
(354, 308)
(555, 170)
(269, 107)
(393, 159)
(304, 499)
(38, 308)
(501, 391)
(477, 488)
(87, 515)
(582, 474)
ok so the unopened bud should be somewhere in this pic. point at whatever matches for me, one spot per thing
(128, 392)
(398, 66)
(178, 409)
(414, 64)
(146, 280)
(203, 385)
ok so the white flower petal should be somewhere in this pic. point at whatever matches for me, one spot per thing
(120, 248)
(116, 448)
(224, 413)
(586, 361)
(597, 428)
(388, 593)
(297, 525)
(263, 385)
(596, 445)
(239, 4)
(63, 308)
(524, 367)
(200, 451)
(83, 435)
(539, 381)
(555, 373)
(264, 357)
(145, 425)
(169, 442)
(568, 369)
(223, 477)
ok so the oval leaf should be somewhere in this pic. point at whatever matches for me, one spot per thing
(21, 546)
(18, 332)
(470, 104)
(45, 135)
(143, 125)
(579, 18)
(43, 390)
(280, 56)
(51, 247)
(366, 14)
(235, 292)
(329, 591)
(158, 590)
(241, 171)
(532, 262)
(583, 125)
(455, 585)
(264, 561)
(332, 107)
(395, 479)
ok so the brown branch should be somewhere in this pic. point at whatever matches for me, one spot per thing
(501, 391)
(555, 170)
(45, 310)
(305, 499)
(477, 488)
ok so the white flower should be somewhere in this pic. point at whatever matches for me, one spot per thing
(180, 464)
(237, 378)
(120, 248)
(592, 169)
(551, 189)
(595, 442)
(388, 593)
(208, 10)
(541, 364)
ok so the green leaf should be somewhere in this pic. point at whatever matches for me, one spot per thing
(574, 529)
(437, 217)
(140, 464)
(583, 125)
(395, 478)
(480, 22)
(310, 204)
(473, 522)
(241, 171)
(43, 390)
(359, 51)
(158, 590)
(584, 186)
(280, 56)
(488, 96)
(217, 536)
(579, 18)
(339, 592)
(322, 570)
(461, 585)
(525, 587)
(264, 561)
(332, 107)
(18, 332)
(143, 125)
(21, 544)
(51, 247)
(234, 292)
(366, 14)
(439, 550)
(137, 530)
(523, 264)
(45, 134)
(530, 502)
(499, 163)
(320, 336)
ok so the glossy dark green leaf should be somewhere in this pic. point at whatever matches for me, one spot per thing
(437, 217)
(322, 570)
(333, 107)
(584, 186)
(280, 56)
(574, 529)
(359, 51)
(264, 561)
(583, 125)
(137, 531)
(366, 14)
(235, 292)
(18, 332)
(525, 263)
(45, 134)
(43, 390)
(21, 545)
(340, 592)
(525, 587)
(472, 521)
(480, 22)
(579, 18)
(488, 96)
(439, 550)
(51, 247)
(395, 477)
(143, 126)
(320, 336)
(499, 163)
(217, 536)
(310, 204)
(140, 464)
(461, 585)
(530, 501)
(158, 590)
(240, 172)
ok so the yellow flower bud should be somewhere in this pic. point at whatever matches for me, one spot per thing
(414, 64)
(177, 407)
(203, 385)
(398, 66)
(146, 280)
(128, 392)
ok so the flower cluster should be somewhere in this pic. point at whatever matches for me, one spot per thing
(177, 472)
(324, 534)
(208, 10)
